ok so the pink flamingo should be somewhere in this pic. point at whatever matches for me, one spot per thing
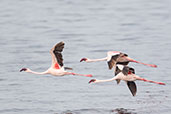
(127, 74)
(116, 57)
(57, 67)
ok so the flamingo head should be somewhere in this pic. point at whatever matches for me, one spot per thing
(83, 59)
(23, 69)
(92, 80)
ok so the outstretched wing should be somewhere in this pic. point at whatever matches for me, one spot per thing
(115, 57)
(132, 87)
(132, 70)
(112, 61)
(123, 63)
(117, 71)
(112, 57)
(128, 70)
(124, 69)
(57, 51)
(57, 60)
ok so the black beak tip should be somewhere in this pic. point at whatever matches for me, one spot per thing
(93, 80)
(23, 69)
(83, 59)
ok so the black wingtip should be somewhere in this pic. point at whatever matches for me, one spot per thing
(132, 87)
(68, 68)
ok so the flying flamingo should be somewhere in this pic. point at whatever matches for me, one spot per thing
(57, 67)
(127, 74)
(116, 57)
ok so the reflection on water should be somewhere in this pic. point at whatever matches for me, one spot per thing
(90, 28)
(100, 111)
(123, 111)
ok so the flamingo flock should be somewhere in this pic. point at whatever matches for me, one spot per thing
(116, 60)
(119, 62)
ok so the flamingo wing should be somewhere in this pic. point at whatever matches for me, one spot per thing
(57, 59)
(115, 57)
(124, 69)
(131, 84)
(132, 87)
(128, 70)
(122, 59)
(117, 71)
(112, 61)
(112, 57)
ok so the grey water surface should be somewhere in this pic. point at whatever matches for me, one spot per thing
(89, 28)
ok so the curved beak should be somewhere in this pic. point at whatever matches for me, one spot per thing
(23, 69)
(93, 80)
(83, 59)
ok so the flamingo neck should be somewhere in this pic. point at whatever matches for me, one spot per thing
(95, 60)
(107, 80)
(40, 73)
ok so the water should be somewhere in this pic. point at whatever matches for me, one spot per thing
(90, 28)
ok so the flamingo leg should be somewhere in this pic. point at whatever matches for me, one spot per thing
(132, 60)
(145, 80)
(87, 75)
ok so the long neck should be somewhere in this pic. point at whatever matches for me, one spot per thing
(94, 60)
(107, 80)
(30, 71)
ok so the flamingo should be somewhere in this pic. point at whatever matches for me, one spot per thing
(116, 57)
(57, 67)
(126, 74)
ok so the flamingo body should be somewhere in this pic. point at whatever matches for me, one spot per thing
(57, 67)
(126, 74)
(116, 57)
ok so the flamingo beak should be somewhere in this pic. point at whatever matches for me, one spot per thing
(23, 69)
(83, 59)
(93, 80)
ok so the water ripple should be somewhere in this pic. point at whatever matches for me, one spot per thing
(100, 111)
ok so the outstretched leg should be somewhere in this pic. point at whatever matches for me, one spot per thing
(87, 75)
(145, 80)
(132, 60)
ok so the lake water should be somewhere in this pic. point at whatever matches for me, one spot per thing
(90, 28)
